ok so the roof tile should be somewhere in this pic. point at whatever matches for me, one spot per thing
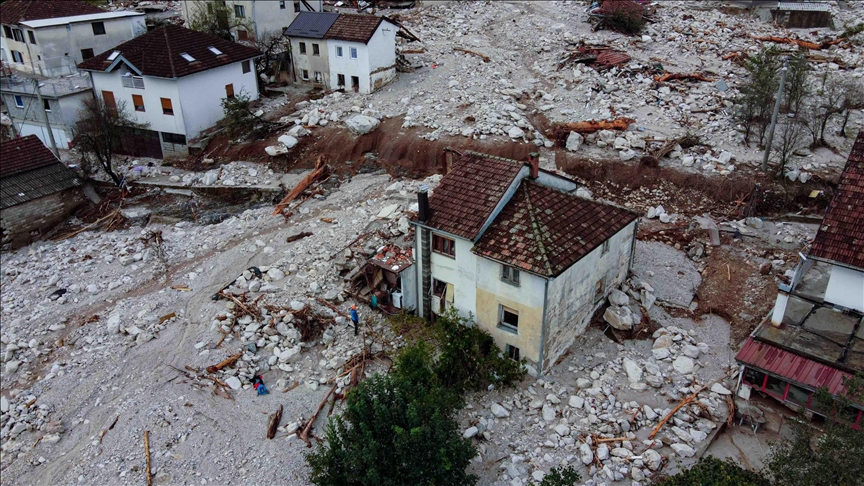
(14, 11)
(23, 154)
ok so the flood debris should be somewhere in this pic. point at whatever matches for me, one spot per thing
(599, 57)
(321, 169)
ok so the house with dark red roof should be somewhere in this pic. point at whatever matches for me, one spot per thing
(50, 38)
(36, 189)
(518, 249)
(814, 337)
(343, 51)
(173, 80)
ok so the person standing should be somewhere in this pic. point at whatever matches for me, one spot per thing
(354, 318)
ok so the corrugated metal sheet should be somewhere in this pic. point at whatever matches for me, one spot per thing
(610, 58)
(30, 185)
(804, 6)
(312, 25)
(791, 366)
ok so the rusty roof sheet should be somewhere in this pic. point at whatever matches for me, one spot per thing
(545, 231)
(466, 197)
(841, 236)
(792, 367)
(393, 258)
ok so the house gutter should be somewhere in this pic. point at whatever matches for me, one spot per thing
(633, 246)
(543, 328)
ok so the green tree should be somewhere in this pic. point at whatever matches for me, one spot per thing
(756, 96)
(710, 471)
(239, 118)
(835, 457)
(561, 476)
(396, 429)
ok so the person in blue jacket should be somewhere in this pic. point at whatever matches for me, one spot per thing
(354, 318)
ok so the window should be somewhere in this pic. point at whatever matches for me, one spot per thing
(239, 11)
(304, 74)
(98, 28)
(130, 81)
(754, 378)
(167, 107)
(229, 90)
(86, 54)
(111, 57)
(797, 395)
(318, 77)
(186, 56)
(282, 4)
(510, 275)
(32, 36)
(296, 7)
(108, 99)
(775, 386)
(242, 35)
(302, 48)
(7, 31)
(512, 352)
(17, 57)
(214, 50)
(340, 80)
(444, 246)
(138, 102)
(174, 138)
(605, 247)
(18, 34)
(353, 53)
(46, 104)
(19, 101)
(599, 290)
(339, 51)
(316, 50)
(508, 319)
(247, 66)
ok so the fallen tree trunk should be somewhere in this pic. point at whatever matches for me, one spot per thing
(298, 236)
(466, 51)
(275, 418)
(307, 181)
(304, 435)
(682, 76)
(800, 43)
(682, 403)
(591, 126)
(226, 362)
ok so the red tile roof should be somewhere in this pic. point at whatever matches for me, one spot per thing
(545, 231)
(14, 11)
(23, 154)
(467, 195)
(841, 237)
(354, 27)
(791, 366)
(157, 53)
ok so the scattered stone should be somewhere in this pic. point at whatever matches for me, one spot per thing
(470, 432)
(720, 389)
(234, 383)
(683, 365)
(499, 411)
(683, 450)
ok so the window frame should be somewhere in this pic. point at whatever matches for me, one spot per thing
(32, 36)
(7, 32)
(229, 91)
(18, 35)
(135, 105)
(281, 4)
(506, 326)
(242, 34)
(508, 349)
(240, 11)
(340, 77)
(169, 108)
(46, 104)
(444, 246)
(605, 248)
(19, 101)
(101, 27)
(784, 387)
(304, 74)
(340, 51)
(246, 66)
(316, 49)
(353, 52)
(599, 290)
(17, 56)
(302, 47)
(171, 138)
(92, 53)
(134, 82)
(297, 7)
(510, 275)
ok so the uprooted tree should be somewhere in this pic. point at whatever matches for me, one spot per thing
(99, 130)
(273, 46)
(239, 118)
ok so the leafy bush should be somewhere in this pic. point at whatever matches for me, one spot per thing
(710, 471)
(624, 16)
(241, 120)
(561, 476)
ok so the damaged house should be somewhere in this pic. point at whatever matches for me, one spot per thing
(516, 248)
(814, 338)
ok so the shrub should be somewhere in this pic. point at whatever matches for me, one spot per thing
(561, 476)
(624, 16)
(710, 471)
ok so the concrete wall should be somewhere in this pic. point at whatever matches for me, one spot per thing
(526, 299)
(461, 272)
(201, 95)
(311, 63)
(40, 214)
(265, 16)
(570, 299)
(846, 288)
(349, 67)
(154, 89)
(62, 116)
(382, 55)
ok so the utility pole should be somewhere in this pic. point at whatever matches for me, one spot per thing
(45, 118)
(774, 115)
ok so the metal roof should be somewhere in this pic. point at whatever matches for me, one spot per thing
(35, 24)
(804, 6)
(33, 184)
(311, 25)
(791, 366)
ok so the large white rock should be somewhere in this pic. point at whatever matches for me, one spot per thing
(652, 459)
(634, 371)
(720, 389)
(576, 402)
(548, 413)
(585, 454)
(362, 124)
(470, 432)
(616, 297)
(113, 323)
(274, 150)
(663, 341)
(4, 405)
(621, 143)
(620, 318)
(574, 141)
(683, 365)
(515, 132)
(288, 141)
(388, 211)
(298, 131)
(628, 154)
(499, 411)
(234, 383)
(649, 412)
(275, 274)
(683, 450)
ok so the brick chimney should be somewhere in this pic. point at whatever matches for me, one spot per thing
(534, 162)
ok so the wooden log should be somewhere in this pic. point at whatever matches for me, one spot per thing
(332, 307)
(298, 236)
(167, 316)
(591, 126)
(147, 457)
(273, 424)
(226, 362)
(801, 43)
(304, 435)
(682, 403)
(307, 181)
(466, 51)
(109, 428)
(682, 76)
(295, 385)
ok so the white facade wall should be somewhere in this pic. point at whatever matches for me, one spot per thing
(154, 89)
(28, 51)
(311, 63)
(265, 16)
(461, 272)
(62, 136)
(846, 288)
(201, 94)
(382, 55)
(349, 67)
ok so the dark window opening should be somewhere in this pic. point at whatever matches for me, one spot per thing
(174, 138)
(247, 66)
(340, 80)
(282, 4)
(18, 34)
(775, 386)
(797, 395)
(32, 36)
(599, 290)
(17, 57)
(302, 48)
(239, 11)
(304, 74)
(98, 28)
(442, 245)
(316, 50)
(7, 31)
(86, 53)
(46, 105)
(242, 35)
(513, 352)
(508, 319)
(605, 247)
(509, 274)
(296, 7)
(754, 378)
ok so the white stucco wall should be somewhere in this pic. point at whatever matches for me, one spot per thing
(309, 62)
(461, 272)
(154, 89)
(28, 51)
(201, 94)
(846, 288)
(349, 67)
(266, 16)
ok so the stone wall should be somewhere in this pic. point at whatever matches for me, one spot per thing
(40, 214)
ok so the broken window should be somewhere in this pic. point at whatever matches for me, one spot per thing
(444, 246)
(340, 80)
(605, 247)
(444, 294)
(510, 275)
(754, 378)
(776, 387)
(316, 50)
(318, 76)
(513, 352)
(599, 290)
(302, 48)
(508, 319)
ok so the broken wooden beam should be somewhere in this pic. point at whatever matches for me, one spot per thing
(466, 51)
(682, 76)
(298, 236)
(800, 43)
(147, 457)
(224, 363)
(273, 424)
(304, 434)
(304, 184)
(109, 428)
(684, 402)
(591, 126)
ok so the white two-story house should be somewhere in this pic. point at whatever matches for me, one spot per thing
(253, 19)
(174, 80)
(50, 38)
(343, 51)
(516, 248)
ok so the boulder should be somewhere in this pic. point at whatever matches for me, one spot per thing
(720, 389)
(690, 351)
(274, 150)
(548, 413)
(470, 432)
(288, 141)
(663, 341)
(648, 412)
(113, 323)
(515, 132)
(616, 297)
(647, 299)
(627, 154)
(652, 459)
(574, 141)
(275, 274)
(683, 450)
(683, 365)
(499, 411)
(234, 383)
(362, 124)
(634, 371)
(298, 131)
(586, 454)
(621, 143)
(576, 402)
(620, 318)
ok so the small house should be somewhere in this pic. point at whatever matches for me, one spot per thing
(253, 19)
(36, 190)
(515, 247)
(343, 51)
(173, 80)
